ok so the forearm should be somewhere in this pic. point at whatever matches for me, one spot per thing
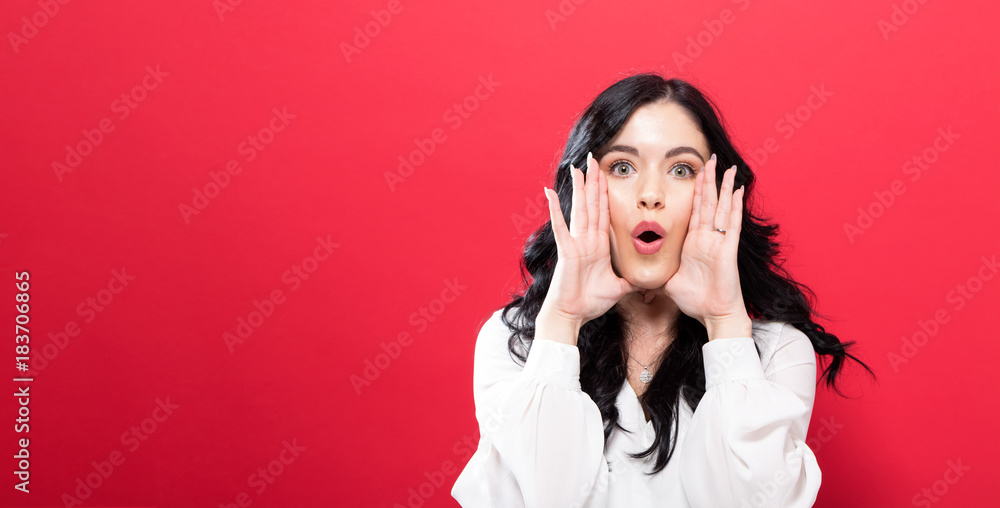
(548, 432)
(749, 428)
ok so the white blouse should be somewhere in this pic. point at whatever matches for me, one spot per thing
(542, 437)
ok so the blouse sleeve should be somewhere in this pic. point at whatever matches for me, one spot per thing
(541, 437)
(746, 442)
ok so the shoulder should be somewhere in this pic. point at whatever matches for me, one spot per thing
(493, 330)
(782, 345)
(492, 341)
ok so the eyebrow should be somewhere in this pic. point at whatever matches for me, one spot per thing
(673, 152)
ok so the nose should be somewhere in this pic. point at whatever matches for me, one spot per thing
(650, 191)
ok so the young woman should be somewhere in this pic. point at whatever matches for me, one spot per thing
(672, 360)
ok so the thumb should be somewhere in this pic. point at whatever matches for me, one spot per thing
(667, 288)
(628, 287)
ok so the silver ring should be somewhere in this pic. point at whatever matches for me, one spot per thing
(723, 231)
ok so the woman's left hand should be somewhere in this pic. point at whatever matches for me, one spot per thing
(707, 283)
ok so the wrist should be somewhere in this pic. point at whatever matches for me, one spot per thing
(729, 326)
(553, 325)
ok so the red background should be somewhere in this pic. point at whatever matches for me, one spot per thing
(458, 217)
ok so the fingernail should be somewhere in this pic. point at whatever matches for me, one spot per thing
(589, 156)
(713, 157)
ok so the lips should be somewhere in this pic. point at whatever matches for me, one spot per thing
(648, 231)
(647, 237)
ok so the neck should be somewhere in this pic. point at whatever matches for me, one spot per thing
(649, 317)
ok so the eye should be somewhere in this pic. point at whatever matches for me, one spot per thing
(618, 164)
(691, 171)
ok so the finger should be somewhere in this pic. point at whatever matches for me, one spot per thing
(725, 199)
(709, 197)
(604, 221)
(736, 217)
(593, 194)
(696, 204)
(578, 212)
(558, 222)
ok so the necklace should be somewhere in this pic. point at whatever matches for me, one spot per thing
(645, 376)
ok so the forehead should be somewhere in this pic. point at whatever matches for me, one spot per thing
(657, 127)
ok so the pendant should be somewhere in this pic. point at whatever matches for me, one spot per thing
(645, 376)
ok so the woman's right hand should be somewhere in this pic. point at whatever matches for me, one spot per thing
(584, 285)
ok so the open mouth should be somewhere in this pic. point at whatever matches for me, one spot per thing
(649, 236)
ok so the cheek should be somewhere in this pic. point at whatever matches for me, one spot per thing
(680, 215)
(684, 217)
(618, 229)
(682, 212)
(618, 218)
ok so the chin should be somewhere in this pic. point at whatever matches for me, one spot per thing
(648, 283)
(649, 276)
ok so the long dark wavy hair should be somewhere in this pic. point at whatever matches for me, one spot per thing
(769, 292)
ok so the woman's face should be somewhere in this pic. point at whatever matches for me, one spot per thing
(651, 167)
